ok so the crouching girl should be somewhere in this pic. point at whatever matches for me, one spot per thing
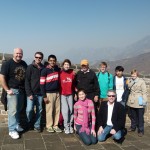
(84, 118)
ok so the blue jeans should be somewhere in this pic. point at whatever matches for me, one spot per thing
(37, 101)
(87, 139)
(106, 132)
(15, 104)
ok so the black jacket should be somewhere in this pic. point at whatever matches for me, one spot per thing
(118, 116)
(32, 80)
(87, 81)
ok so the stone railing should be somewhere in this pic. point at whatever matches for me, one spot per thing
(4, 119)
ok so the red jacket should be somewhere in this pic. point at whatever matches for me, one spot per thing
(67, 82)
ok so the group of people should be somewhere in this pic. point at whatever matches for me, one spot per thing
(92, 104)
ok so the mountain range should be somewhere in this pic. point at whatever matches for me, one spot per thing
(110, 53)
(132, 56)
(141, 63)
(135, 56)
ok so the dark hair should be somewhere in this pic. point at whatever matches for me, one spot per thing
(103, 63)
(66, 61)
(46, 63)
(82, 90)
(40, 53)
(52, 56)
(119, 68)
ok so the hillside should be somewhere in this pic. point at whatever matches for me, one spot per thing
(140, 62)
(108, 53)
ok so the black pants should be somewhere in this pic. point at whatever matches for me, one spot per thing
(96, 104)
(137, 119)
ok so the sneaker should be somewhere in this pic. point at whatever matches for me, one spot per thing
(50, 129)
(71, 130)
(38, 129)
(19, 128)
(14, 134)
(140, 134)
(66, 131)
(131, 129)
(58, 130)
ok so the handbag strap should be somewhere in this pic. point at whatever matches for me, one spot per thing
(131, 86)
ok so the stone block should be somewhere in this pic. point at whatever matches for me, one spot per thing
(34, 144)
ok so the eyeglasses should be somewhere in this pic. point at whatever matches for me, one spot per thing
(111, 95)
(39, 57)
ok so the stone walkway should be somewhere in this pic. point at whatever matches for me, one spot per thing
(32, 140)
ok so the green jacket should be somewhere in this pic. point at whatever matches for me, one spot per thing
(105, 81)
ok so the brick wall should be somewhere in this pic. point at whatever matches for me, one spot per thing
(4, 119)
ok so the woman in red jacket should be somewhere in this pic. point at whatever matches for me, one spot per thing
(66, 91)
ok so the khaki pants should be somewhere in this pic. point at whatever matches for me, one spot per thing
(103, 99)
(52, 110)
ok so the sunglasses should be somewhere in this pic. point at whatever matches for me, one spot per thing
(111, 95)
(39, 57)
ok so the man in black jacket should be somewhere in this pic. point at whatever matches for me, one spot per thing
(86, 79)
(111, 118)
(32, 87)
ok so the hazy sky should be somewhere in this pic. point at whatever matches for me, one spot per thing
(55, 26)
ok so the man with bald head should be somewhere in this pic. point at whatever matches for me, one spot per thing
(12, 78)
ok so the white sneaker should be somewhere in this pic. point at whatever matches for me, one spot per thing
(19, 129)
(14, 134)
(71, 130)
(66, 131)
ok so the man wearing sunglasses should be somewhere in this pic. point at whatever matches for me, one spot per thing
(111, 118)
(34, 96)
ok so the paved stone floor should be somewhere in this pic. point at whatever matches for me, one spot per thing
(32, 140)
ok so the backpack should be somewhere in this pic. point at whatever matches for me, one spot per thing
(4, 99)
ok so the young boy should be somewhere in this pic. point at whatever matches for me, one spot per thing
(119, 83)
(49, 82)
(105, 80)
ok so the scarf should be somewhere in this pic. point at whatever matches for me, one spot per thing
(85, 126)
